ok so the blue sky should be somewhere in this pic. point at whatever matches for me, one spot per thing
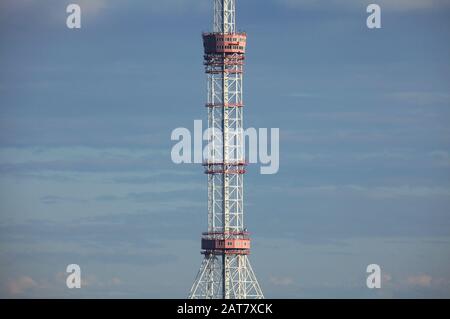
(85, 169)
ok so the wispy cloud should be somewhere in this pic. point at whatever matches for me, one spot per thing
(155, 193)
(93, 8)
(422, 97)
(305, 95)
(420, 280)
(397, 5)
(99, 164)
(281, 281)
(441, 158)
(376, 192)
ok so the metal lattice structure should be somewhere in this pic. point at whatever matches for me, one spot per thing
(225, 272)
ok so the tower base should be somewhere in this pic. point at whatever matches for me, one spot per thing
(238, 282)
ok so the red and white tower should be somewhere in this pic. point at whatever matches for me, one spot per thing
(225, 272)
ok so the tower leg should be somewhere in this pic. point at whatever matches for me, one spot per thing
(208, 283)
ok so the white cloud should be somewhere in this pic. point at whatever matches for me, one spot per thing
(281, 281)
(420, 280)
(20, 285)
(386, 278)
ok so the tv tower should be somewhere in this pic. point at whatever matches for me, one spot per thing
(225, 272)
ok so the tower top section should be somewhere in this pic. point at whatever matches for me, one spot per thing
(224, 16)
(224, 39)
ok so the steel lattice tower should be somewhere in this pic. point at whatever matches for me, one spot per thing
(225, 272)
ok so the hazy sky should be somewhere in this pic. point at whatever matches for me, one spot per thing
(86, 175)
